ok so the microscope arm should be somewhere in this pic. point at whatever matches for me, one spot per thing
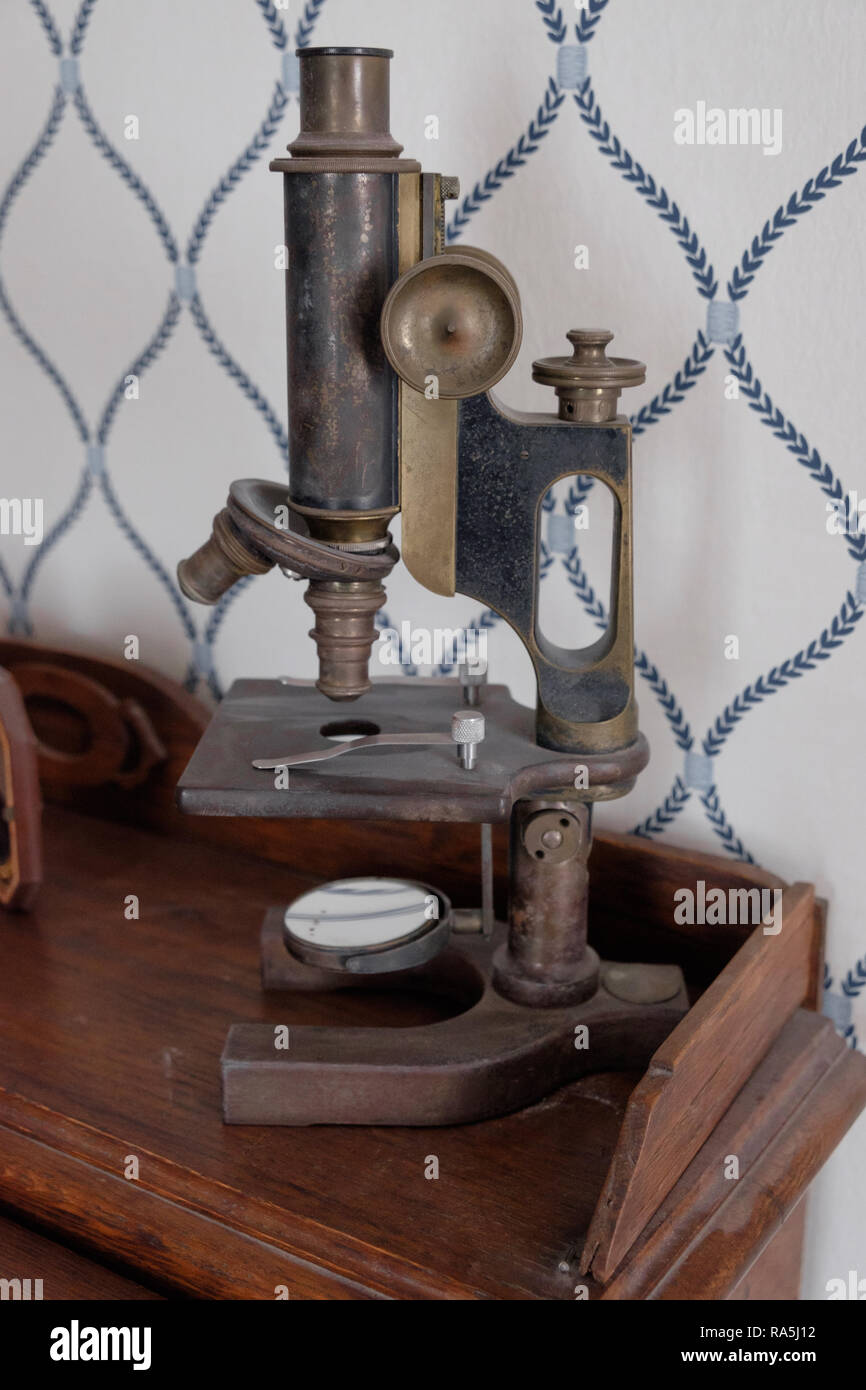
(507, 463)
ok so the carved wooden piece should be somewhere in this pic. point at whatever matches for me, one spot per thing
(20, 802)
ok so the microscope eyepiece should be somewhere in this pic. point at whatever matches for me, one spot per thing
(344, 53)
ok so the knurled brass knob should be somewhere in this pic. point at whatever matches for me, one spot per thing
(589, 382)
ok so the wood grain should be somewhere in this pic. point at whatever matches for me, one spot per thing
(64, 1274)
(112, 1031)
(716, 1222)
(111, 1037)
(697, 1072)
(776, 1274)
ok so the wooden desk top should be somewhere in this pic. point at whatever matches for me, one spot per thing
(59, 1272)
(118, 1026)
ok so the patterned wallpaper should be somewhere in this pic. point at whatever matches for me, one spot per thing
(684, 173)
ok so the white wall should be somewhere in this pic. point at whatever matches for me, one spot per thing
(731, 525)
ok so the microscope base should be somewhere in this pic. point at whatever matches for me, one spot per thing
(492, 1058)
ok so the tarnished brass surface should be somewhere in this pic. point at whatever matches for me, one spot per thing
(589, 382)
(218, 564)
(428, 488)
(593, 737)
(436, 189)
(345, 115)
(487, 258)
(344, 164)
(248, 539)
(347, 528)
(453, 323)
(428, 428)
(409, 249)
(344, 634)
(546, 962)
(345, 103)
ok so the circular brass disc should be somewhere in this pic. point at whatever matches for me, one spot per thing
(477, 253)
(552, 835)
(455, 317)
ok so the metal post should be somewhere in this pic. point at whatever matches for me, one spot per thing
(547, 961)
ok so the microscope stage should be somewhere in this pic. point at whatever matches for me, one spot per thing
(273, 718)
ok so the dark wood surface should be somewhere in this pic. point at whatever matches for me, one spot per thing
(111, 1031)
(179, 720)
(25, 1254)
(118, 1025)
(698, 1071)
(111, 1036)
(705, 1236)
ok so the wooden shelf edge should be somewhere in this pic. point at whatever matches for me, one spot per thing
(696, 1073)
(204, 1238)
(781, 1128)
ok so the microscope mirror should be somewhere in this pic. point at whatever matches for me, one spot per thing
(367, 925)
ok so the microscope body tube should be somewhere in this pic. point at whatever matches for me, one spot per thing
(341, 237)
(351, 220)
(342, 197)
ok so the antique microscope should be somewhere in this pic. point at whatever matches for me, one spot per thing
(394, 342)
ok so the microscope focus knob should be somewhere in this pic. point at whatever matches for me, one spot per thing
(589, 382)
(453, 323)
(467, 731)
